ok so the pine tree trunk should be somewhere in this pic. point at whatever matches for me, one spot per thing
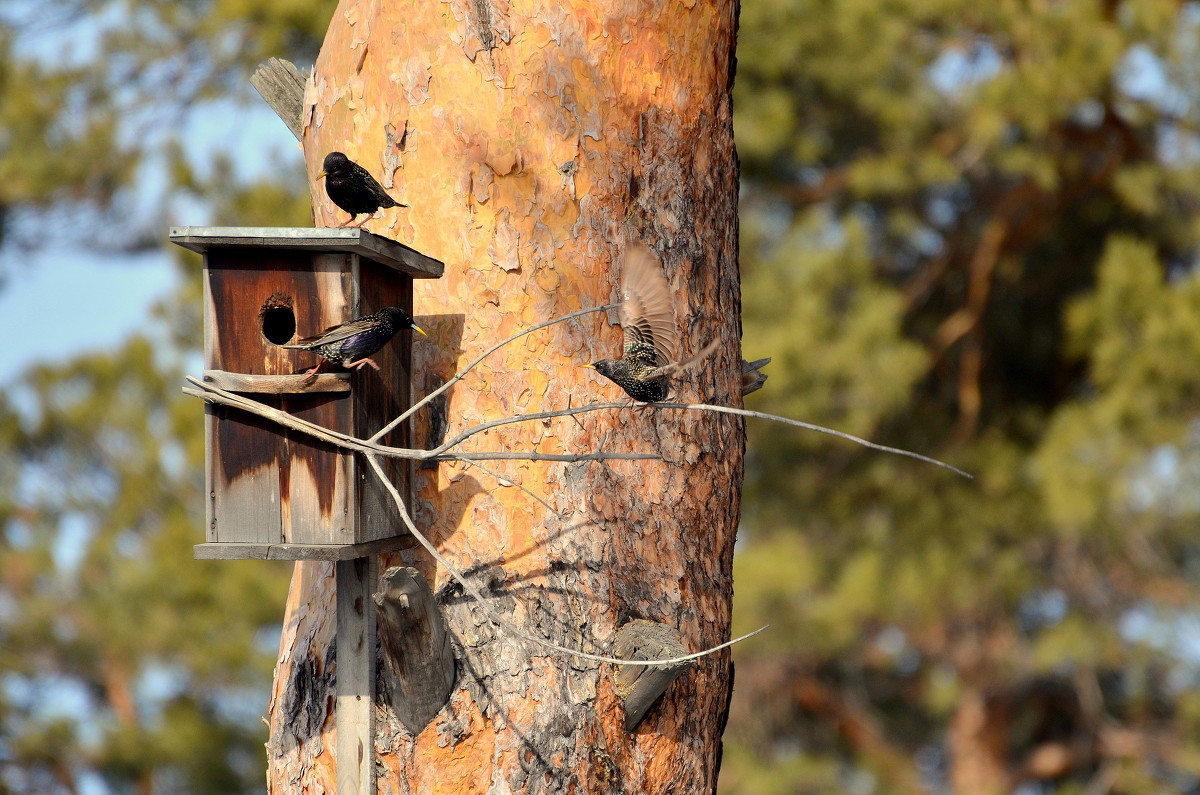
(531, 140)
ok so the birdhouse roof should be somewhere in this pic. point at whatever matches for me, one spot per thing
(358, 241)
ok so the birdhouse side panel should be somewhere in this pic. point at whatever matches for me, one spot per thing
(381, 396)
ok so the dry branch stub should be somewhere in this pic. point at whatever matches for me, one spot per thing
(281, 86)
(418, 655)
(639, 686)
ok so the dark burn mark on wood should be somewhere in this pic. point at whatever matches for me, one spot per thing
(322, 460)
(249, 442)
(302, 711)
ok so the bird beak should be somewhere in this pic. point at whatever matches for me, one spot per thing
(418, 328)
(322, 175)
(590, 367)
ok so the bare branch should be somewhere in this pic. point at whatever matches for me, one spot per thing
(533, 455)
(462, 373)
(542, 415)
(503, 623)
(214, 394)
(818, 428)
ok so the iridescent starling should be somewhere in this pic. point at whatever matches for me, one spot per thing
(351, 187)
(350, 343)
(648, 321)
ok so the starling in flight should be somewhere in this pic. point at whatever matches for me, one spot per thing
(350, 343)
(648, 321)
(351, 187)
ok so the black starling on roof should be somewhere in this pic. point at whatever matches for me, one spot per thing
(648, 321)
(350, 343)
(351, 187)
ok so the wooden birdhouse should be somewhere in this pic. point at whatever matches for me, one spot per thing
(275, 493)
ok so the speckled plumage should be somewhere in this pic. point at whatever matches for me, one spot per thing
(352, 188)
(349, 344)
(648, 323)
(633, 372)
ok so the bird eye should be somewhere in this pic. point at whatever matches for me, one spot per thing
(278, 324)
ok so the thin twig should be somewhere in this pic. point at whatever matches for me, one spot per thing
(883, 448)
(542, 415)
(462, 373)
(499, 621)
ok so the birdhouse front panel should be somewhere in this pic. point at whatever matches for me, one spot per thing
(268, 485)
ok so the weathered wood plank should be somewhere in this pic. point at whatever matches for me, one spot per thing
(417, 653)
(238, 506)
(639, 686)
(303, 485)
(281, 86)
(356, 241)
(277, 384)
(317, 481)
(355, 685)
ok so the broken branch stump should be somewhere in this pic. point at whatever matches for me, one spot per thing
(639, 686)
(417, 652)
(281, 85)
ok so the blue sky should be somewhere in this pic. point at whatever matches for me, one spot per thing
(66, 301)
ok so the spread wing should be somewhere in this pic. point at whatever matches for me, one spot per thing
(647, 315)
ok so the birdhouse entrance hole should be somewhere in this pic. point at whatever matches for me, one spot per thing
(278, 323)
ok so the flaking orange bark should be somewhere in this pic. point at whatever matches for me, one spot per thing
(531, 142)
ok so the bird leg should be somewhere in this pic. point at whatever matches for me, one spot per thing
(311, 375)
(359, 225)
(360, 363)
(346, 223)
